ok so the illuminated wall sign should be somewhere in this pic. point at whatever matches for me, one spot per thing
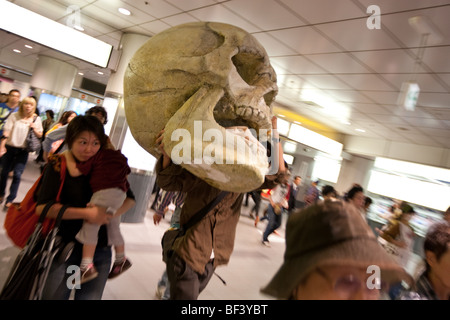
(416, 183)
(37, 28)
(315, 140)
(409, 94)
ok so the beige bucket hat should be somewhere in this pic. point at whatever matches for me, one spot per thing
(331, 232)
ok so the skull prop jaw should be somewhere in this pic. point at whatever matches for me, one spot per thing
(203, 83)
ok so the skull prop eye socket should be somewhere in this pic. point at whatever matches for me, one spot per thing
(253, 71)
(212, 81)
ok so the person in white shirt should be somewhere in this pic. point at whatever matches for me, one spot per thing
(278, 203)
(13, 147)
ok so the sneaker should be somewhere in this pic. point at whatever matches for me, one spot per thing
(266, 243)
(119, 267)
(89, 273)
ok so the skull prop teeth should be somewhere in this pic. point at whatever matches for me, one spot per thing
(210, 87)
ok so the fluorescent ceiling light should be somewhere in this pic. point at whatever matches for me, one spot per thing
(289, 147)
(283, 127)
(28, 46)
(53, 34)
(414, 169)
(329, 106)
(124, 11)
(425, 193)
(315, 140)
(17, 51)
(288, 158)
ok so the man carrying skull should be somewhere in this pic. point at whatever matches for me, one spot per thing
(204, 82)
(210, 242)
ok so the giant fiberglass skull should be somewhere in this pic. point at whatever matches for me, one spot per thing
(196, 81)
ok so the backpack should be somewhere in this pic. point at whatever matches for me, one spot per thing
(21, 219)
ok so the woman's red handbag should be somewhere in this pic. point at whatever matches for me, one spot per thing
(21, 219)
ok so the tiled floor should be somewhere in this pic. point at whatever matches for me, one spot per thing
(251, 266)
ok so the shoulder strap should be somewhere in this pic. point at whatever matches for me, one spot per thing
(200, 214)
(7, 116)
(62, 176)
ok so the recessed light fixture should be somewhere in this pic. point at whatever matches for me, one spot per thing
(28, 46)
(99, 72)
(281, 115)
(360, 130)
(124, 11)
(79, 28)
(17, 51)
(81, 73)
(297, 122)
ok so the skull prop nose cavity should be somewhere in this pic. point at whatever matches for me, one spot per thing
(207, 85)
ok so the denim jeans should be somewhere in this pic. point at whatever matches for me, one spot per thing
(164, 282)
(274, 222)
(58, 287)
(14, 159)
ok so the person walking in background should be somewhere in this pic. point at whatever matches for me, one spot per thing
(256, 197)
(278, 203)
(399, 233)
(329, 193)
(8, 107)
(312, 194)
(13, 148)
(293, 194)
(434, 282)
(59, 134)
(66, 117)
(3, 97)
(46, 125)
(355, 196)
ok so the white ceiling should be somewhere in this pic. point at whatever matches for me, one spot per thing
(324, 45)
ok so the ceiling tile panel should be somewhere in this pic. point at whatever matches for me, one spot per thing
(387, 61)
(320, 11)
(353, 35)
(305, 40)
(218, 13)
(338, 63)
(266, 14)
(435, 100)
(426, 82)
(437, 58)
(399, 25)
(327, 82)
(179, 19)
(365, 82)
(155, 8)
(273, 46)
(191, 4)
(296, 65)
(383, 97)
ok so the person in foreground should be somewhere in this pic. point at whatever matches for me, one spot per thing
(332, 254)
(434, 282)
(85, 137)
